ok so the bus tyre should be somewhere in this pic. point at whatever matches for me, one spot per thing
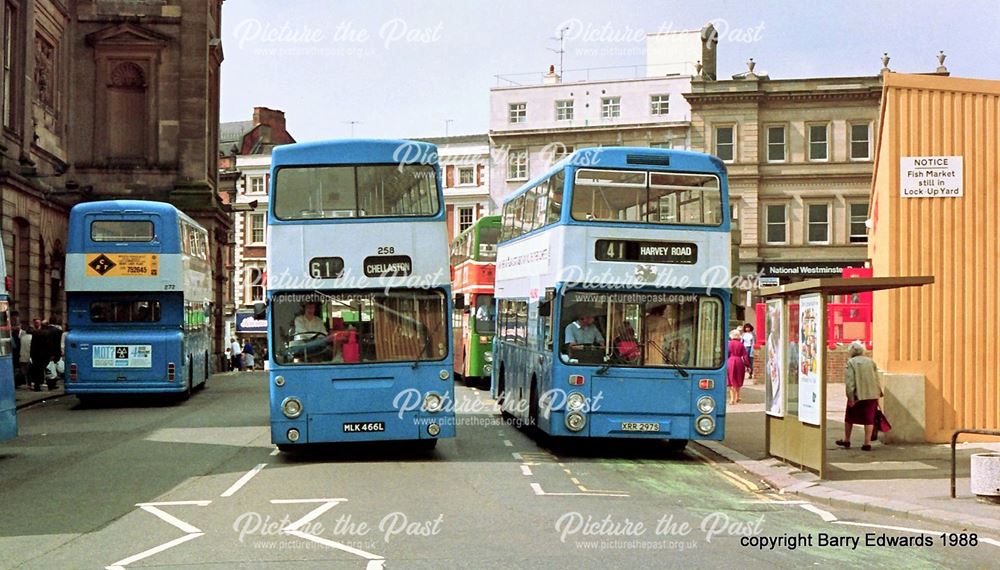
(190, 380)
(287, 448)
(85, 400)
(208, 371)
(676, 445)
(533, 405)
(427, 444)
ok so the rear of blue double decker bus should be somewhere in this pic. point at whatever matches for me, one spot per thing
(8, 404)
(358, 294)
(125, 299)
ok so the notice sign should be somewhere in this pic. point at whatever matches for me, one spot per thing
(123, 265)
(122, 356)
(930, 177)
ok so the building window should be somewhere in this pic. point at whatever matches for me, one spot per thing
(564, 110)
(818, 230)
(659, 104)
(464, 218)
(611, 107)
(776, 144)
(517, 165)
(818, 142)
(255, 281)
(860, 135)
(256, 184)
(256, 228)
(859, 215)
(517, 112)
(725, 142)
(9, 76)
(466, 176)
(777, 223)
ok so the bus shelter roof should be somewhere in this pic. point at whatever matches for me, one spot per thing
(843, 286)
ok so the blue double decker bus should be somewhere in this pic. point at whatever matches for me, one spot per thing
(612, 283)
(138, 290)
(358, 294)
(8, 404)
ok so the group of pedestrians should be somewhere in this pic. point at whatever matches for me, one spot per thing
(241, 357)
(38, 352)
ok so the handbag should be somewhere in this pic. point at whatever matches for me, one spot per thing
(881, 423)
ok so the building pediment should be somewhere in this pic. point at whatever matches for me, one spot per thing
(127, 34)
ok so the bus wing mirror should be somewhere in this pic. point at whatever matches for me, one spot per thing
(459, 300)
(259, 310)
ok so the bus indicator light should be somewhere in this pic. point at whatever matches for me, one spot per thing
(171, 372)
(72, 372)
(706, 383)
(576, 380)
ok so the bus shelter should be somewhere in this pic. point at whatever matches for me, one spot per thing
(794, 364)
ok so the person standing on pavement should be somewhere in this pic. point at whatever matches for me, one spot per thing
(749, 340)
(41, 355)
(15, 347)
(736, 366)
(25, 354)
(248, 355)
(54, 332)
(237, 354)
(863, 392)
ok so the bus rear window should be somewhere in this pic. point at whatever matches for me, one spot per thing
(125, 311)
(368, 191)
(121, 230)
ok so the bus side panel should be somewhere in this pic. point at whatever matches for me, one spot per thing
(8, 403)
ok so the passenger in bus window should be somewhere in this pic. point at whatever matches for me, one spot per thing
(626, 345)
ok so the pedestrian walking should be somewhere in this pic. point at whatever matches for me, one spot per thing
(237, 354)
(736, 366)
(54, 334)
(863, 391)
(15, 347)
(25, 354)
(749, 341)
(248, 355)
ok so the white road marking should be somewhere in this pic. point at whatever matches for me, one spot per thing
(776, 501)
(827, 516)
(526, 470)
(311, 515)
(990, 541)
(517, 456)
(171, 519)
(121, 564)
(537, 489)
(508, 443)
(890, 527)
(243, 480)
(275, 451)
(337, 545)
(171, 503)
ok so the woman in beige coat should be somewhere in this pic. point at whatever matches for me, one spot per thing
(863, 392)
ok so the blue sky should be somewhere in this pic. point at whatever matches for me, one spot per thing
(402, 68)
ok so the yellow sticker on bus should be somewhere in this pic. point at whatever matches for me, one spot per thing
(123, 265)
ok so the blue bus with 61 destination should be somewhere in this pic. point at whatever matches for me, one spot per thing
(358, 294)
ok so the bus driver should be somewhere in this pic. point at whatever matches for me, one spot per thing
(582, 333)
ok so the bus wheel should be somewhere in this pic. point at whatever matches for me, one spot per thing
(676, 445)
(501, 396)
(85, 400)
(208, 371)
(190, 380)
(427, 444)
(533, 404)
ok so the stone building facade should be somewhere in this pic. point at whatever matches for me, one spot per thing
(104, 99)
(465, 179)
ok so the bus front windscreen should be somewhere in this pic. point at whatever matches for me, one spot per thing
(641, 329)
(359, 327)
(358, 191)
(486, 316)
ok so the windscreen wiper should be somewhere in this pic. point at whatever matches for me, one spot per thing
(669, 361)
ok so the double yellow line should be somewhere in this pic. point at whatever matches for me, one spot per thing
(728, 476)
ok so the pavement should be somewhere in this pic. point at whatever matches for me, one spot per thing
(25, 397)
(905, 480)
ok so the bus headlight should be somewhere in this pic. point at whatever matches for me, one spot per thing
(483, 339)
(433, 430)
(706, 404)
(575, 401)
(704, 425)
(433, 402)
(443, 375)
(279, 381)
(488, 356)
(293, 435)
(291, 407)
(575, 421)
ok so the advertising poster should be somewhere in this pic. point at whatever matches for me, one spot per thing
(774, 374)
(810, 358)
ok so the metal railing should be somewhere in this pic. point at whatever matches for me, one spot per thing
(954, 439)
